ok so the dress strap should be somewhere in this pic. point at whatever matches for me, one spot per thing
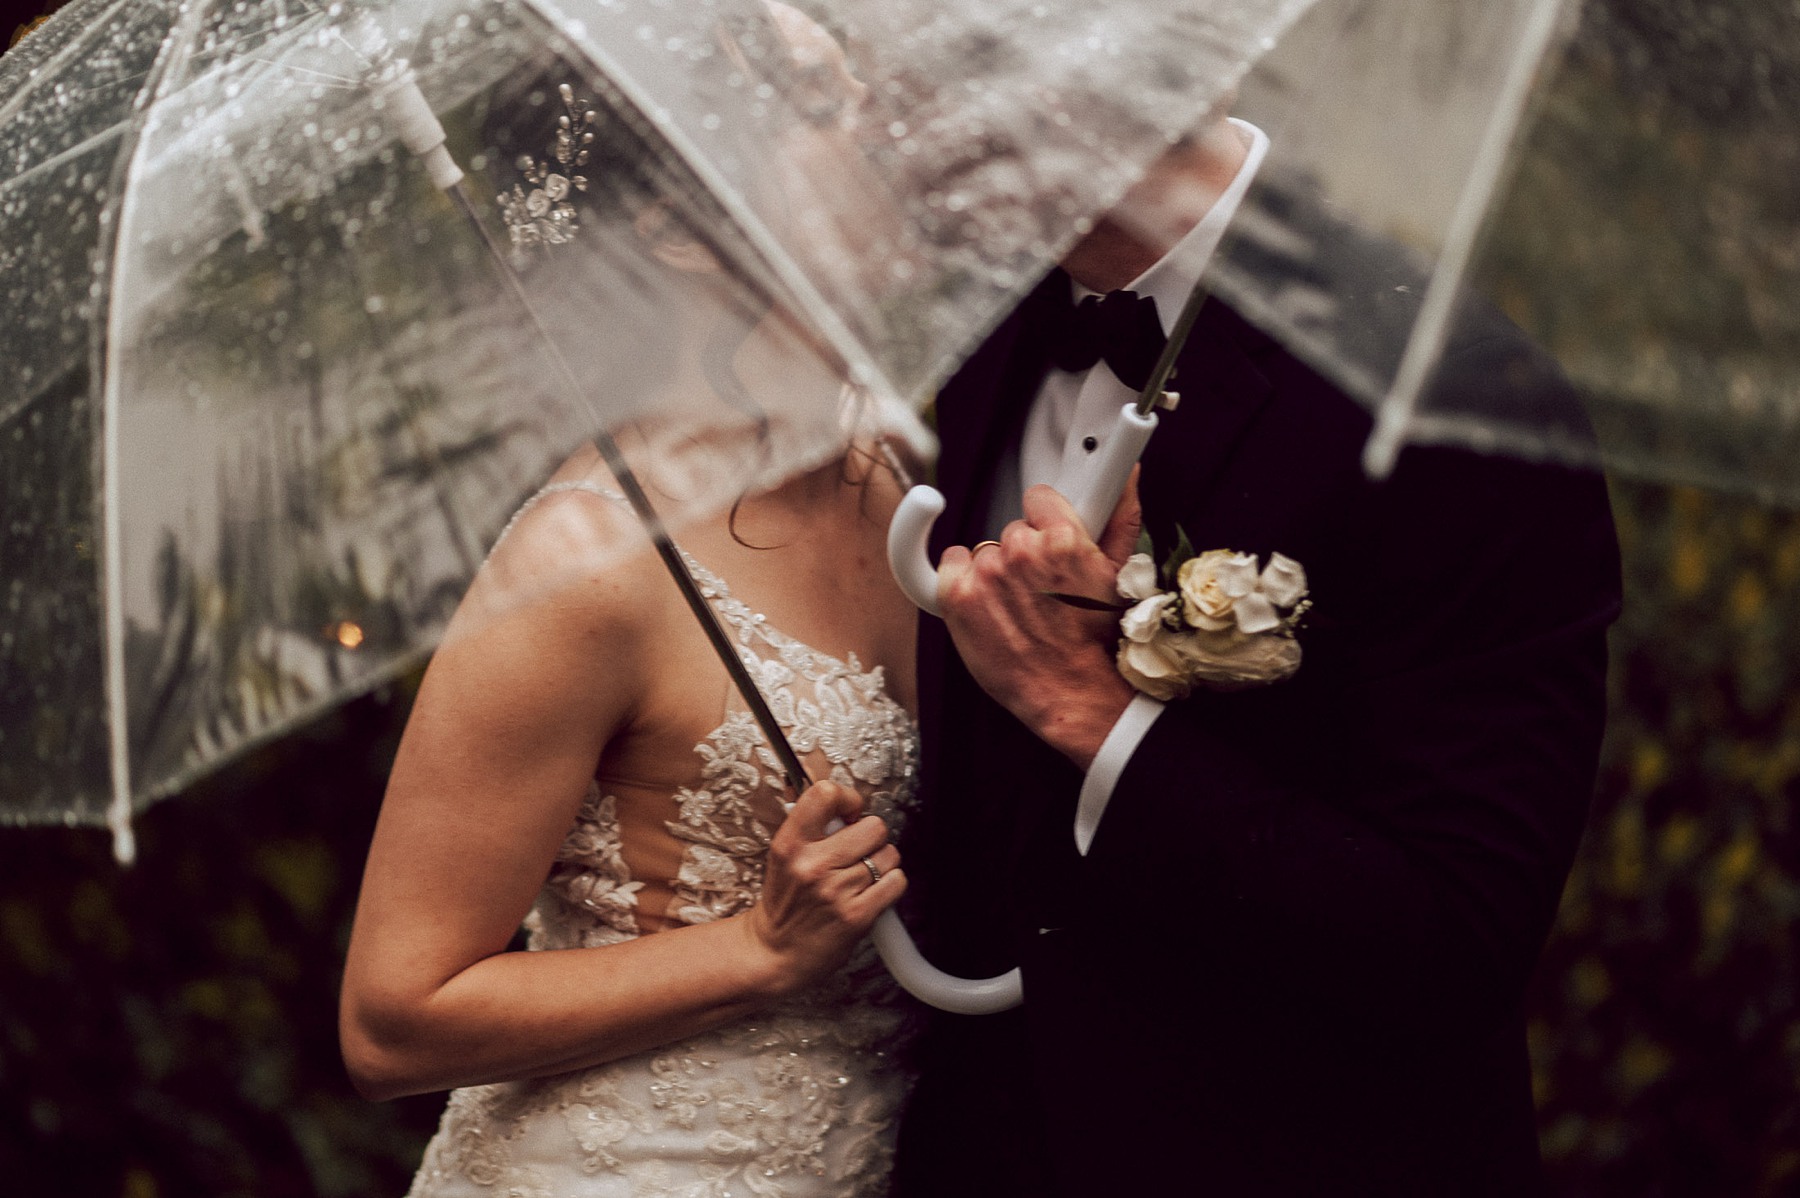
(580, 484)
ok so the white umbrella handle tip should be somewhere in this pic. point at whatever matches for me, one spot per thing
(909, 538)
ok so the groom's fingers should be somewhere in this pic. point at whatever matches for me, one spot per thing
(1119, 539)
(1047, 511)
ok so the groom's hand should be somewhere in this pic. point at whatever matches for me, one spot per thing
(1048, 662)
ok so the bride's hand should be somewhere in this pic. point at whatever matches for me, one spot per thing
(818, 896)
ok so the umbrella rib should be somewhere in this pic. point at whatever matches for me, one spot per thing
(52, 71)
(1399, 409)
(111, 132)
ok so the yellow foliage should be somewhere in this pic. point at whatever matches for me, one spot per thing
(1748, 597)
(1590, 982)
(1687, 564)
(1739, 859)
(1678, 837)
(1690, 503)
(206, 998)
(1649, 766)
(96, 920)
(302, 871)
(1787, 561)
(25, 935)
(1643, 1062)
(1778, 771)
(1628, 852)
(1716, 913)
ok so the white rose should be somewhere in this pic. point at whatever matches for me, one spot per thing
(1145, 619)
(1158, 667)
(1211, 583)
(1254, 613)
(1137, 577)
(1283, 581)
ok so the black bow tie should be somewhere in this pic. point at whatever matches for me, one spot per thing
(1120, 326)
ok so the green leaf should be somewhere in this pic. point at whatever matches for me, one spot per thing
(1184, 551)
(1145, 545)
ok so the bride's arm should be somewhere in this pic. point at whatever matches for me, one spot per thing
(503, 740)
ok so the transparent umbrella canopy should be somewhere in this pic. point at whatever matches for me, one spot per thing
(1651, 238)
(268, 393)
(1647, 234)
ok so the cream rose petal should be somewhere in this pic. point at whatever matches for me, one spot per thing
(1145, 619)
(1205, 602)
(1283, 580)
(1255, 614)
(1137, 577)
(1237, 575)
(1151, 672)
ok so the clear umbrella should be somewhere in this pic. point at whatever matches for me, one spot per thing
(1652, 242)
(268, 399)
(268, 393)
(1647, 236)
(296, 383)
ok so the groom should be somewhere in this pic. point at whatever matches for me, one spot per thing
(1275, 940)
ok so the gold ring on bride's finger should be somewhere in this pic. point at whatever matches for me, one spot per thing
(874, 870)
(983, 545)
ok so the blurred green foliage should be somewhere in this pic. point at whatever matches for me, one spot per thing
(1666, 1022)
(169, 1030)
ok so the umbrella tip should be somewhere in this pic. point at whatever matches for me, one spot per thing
(1384, 443)
(124, 837)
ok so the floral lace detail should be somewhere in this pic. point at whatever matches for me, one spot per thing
(864, 735)
(590, 876)
(800, 1101)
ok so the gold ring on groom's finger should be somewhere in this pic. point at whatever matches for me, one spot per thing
(983, 545)
(874, 870)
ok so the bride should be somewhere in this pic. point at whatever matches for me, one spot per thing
(711, 1020)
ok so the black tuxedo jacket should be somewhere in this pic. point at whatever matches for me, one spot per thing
(1293, 960)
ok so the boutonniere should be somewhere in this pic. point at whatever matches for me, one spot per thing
(1213, 619)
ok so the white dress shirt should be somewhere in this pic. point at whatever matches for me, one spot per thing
(1072, 416)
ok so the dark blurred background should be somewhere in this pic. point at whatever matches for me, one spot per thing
(170, 1029)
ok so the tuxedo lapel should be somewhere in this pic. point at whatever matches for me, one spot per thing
(980, 411)
(1221, 393)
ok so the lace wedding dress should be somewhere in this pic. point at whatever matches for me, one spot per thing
(800, 1101)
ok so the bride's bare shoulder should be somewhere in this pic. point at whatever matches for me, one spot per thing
(575, 559)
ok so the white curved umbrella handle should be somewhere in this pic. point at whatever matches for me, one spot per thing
(931, 985)
(1093, 492)
(908, 546)
(925, 981)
